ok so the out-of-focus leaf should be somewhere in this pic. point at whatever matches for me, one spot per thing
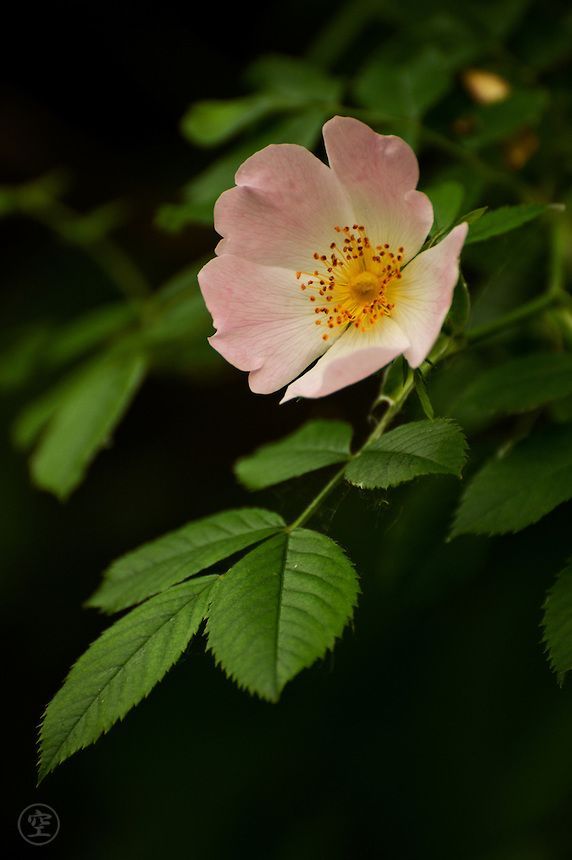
(497, 121)
(511, 493)
(79, 337)
(405, 90)
(503, 220)
(19, 360)
(83, 418)
(519, 385)
(435, 447)
(211, 123)
(460, 310)
(446, 198)
(202, 192)
(423, 394)
(279, 609)
(120, 668)
(161, 563)
(292, 78)
(557, 623)
(313, 446)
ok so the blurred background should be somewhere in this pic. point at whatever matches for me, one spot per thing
(436, 729)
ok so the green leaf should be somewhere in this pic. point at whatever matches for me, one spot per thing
(511, 493)
(84, 415)
(519, 385)
(446, 198)
(497, 121)
(185, 552)
(119, 669)
(406, 89)
(503, 220)
(313, 446)
(202, 192)
(210, 123)
(423, 394)
(279, 609)
(460, 310)
(557, 623)
(292, 78)
(435, 447)
(88, 331)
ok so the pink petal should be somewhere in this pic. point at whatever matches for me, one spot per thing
(352, 357)
(284, 208)
(264, 323)
(424, 294)
(380, 173)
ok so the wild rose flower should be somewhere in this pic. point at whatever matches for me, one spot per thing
(322, 262)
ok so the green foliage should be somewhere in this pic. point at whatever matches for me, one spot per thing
(185, 552)
(494, 122)
(80, 418)
(313, 446)
(423, 394)
(518, 385)
(435, 447)
(511, 493)
(557, 623)
(405, 89)
(503, 220)
(200, 195)
(446, 198)
(120, 668)
(460, 310)
(279, 609)
(294, 79)
(212, 123)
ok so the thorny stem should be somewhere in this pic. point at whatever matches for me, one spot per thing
(554, 295)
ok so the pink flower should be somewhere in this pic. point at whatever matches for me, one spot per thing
(322, 263)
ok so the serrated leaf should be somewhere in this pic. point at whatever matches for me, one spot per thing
(435, 447)
(119, 669)
(279, 609)
(185, 552)
(519, 385)
(557, 623)
(313, 446)
(503, 220)
(511, 493)
(84, 415)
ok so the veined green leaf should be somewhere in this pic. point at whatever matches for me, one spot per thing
(503, 220)
(557, 623)
(435, 447)
(519, 385)
(279, 609)
(121, 668)
(313, 446)
(83, 418)
(511, 493)
(185, 552)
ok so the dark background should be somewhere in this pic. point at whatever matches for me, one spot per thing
(436, 729)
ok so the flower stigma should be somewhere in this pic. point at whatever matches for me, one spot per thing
(349, 285)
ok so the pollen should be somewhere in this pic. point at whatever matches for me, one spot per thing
(356, 275)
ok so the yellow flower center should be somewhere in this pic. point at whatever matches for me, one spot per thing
(349, 285)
